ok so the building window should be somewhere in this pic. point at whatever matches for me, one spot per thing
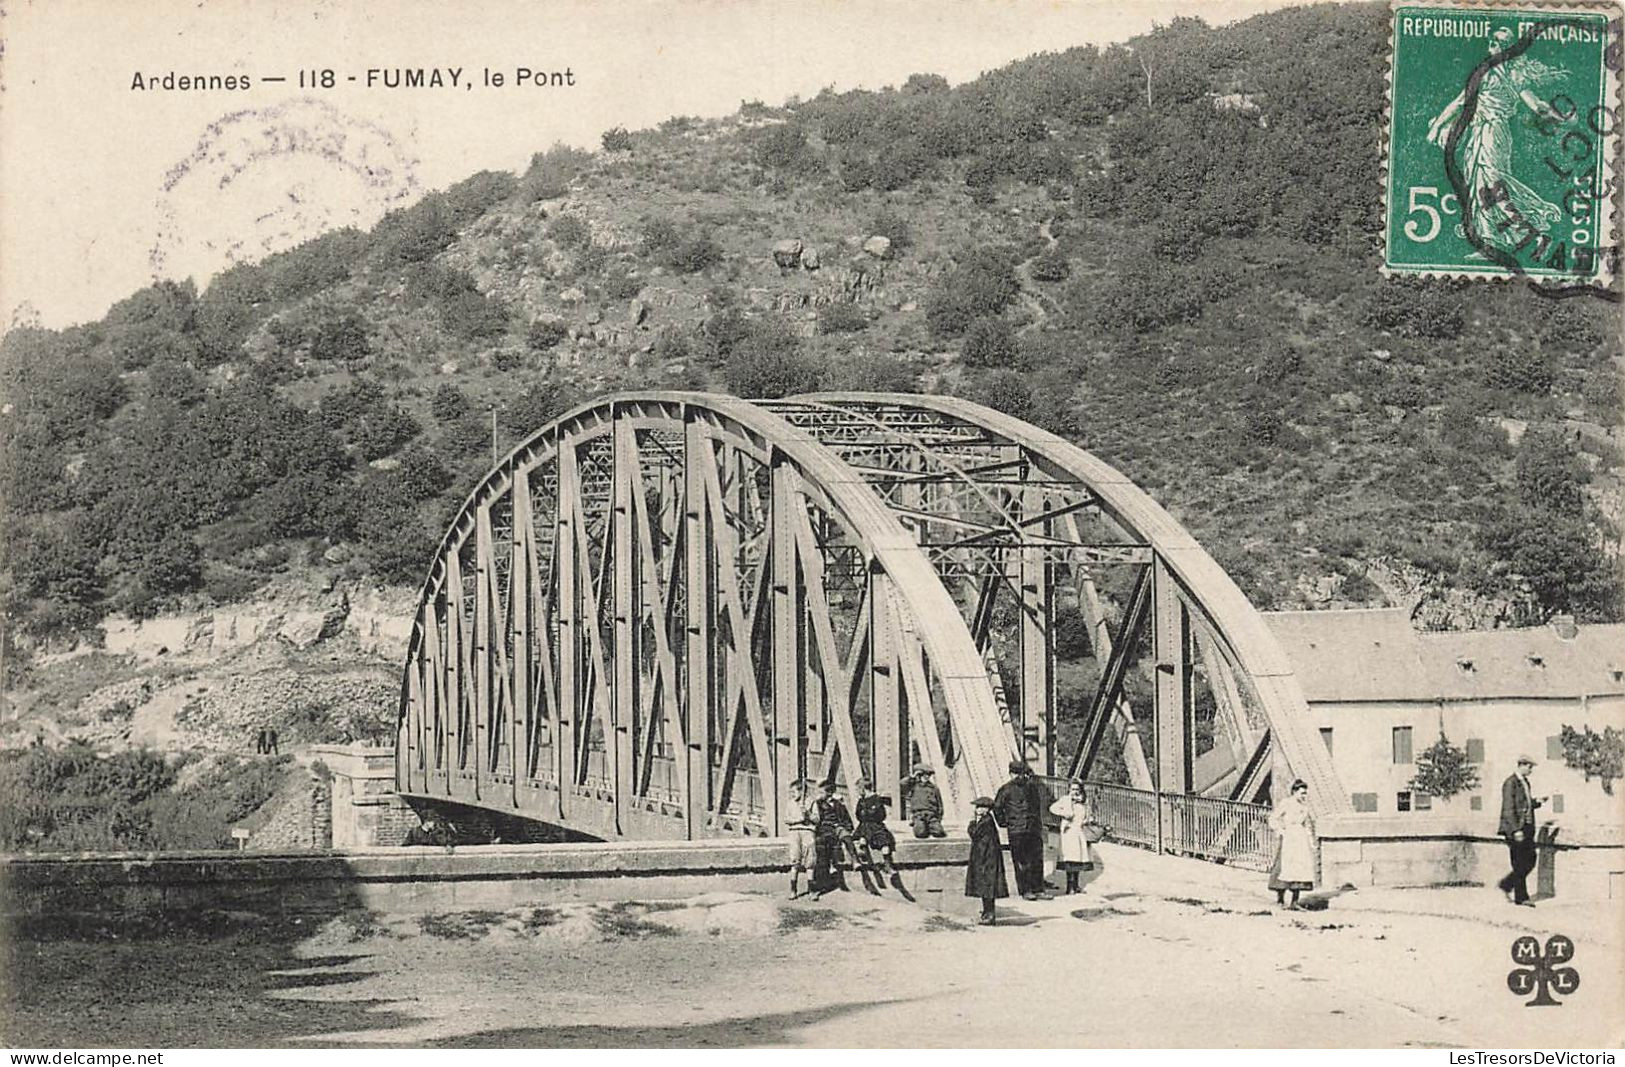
(1364, 801)
(1475, 750)
(1326, 736)
(1476, 803)
(1554, 747)
(1424, 801)
(1402, 744)
(1402, 800)
(1557, 803)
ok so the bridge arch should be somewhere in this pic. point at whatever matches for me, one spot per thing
(661, 609)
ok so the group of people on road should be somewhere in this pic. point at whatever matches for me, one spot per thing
(1019, 807)
(822, 831)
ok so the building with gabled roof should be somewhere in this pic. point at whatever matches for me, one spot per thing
(1381, 692)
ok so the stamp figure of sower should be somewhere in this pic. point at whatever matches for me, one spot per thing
(1503, 125)
(1486, 147)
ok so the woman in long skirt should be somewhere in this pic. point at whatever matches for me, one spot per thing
(1294, 869)
(1075, 819)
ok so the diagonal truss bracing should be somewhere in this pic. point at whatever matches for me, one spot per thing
(658, 613)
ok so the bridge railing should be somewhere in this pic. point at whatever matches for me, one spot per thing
(1212, 828)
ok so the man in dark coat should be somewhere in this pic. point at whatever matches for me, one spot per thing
(1019, 806)
(1518, 806)
(984, 874)
(830, 836)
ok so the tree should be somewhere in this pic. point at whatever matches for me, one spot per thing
(768, 363)
(1443, 770)
(1548, 473)
(341, 336)
(1007, 391)
(616, 139)
(1600, 756)
(990, 342)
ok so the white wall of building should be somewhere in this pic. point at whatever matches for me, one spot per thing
(1362, 747)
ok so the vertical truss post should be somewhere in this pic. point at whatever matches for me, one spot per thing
(455, 665)
(565, 570)
(699, 658)
(1173, 708)
(520, 577)
(484, 649)
(887, 733)
(1037, 661)
(789, 682)
(626, 613)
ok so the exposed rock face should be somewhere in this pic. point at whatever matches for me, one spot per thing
(787, 254)
(809, 259)
(572, 295)
(877, 246)
(637, 313)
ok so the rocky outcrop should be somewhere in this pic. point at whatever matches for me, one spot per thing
(787, 254)
(877, 246)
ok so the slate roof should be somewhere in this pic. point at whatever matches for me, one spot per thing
(1375, 654)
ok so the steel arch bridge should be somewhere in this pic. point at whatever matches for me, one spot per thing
(662, 609)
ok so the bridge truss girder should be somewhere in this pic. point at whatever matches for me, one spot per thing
(661, 610)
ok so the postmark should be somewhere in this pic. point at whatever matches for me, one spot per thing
(1502, 142)
(262, 180)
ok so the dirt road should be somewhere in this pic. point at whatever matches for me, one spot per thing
(1156, 952)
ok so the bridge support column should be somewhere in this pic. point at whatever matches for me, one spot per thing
(699, 654)
(789, 664)
(887, 731)
(1171, 642)
(1037, 662)
(627, 614)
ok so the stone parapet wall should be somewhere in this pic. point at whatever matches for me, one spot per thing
(1407, 851)
(130, 887)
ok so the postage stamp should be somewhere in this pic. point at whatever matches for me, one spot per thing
(1502, 138)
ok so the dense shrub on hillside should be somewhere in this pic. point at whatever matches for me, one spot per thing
(1144, 295)
(616, 139)
(982, 283)
(990, 342)
(569, 232)
(74, 799)
(841, 318)
(1548, 474)
(233, 304)
(767, 362)
(415, 234)
(341, 336)
(782, 147)
(1007, 391)
(542, 335)
(551, 172)
(461, 308)
(695, 253)
(1520, 368)
(523, 413)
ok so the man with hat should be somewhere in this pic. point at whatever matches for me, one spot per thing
(984, 873)
(1019, 806)
(924, 802)
(1518, 806)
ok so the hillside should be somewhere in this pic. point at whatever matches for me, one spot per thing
(1166, 251)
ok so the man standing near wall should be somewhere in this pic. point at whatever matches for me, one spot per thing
(1518, 806)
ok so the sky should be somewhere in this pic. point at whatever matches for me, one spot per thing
(104, 187)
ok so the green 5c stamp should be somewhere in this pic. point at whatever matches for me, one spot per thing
(1503, 123)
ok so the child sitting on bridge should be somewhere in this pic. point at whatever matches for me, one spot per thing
(872, 834)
